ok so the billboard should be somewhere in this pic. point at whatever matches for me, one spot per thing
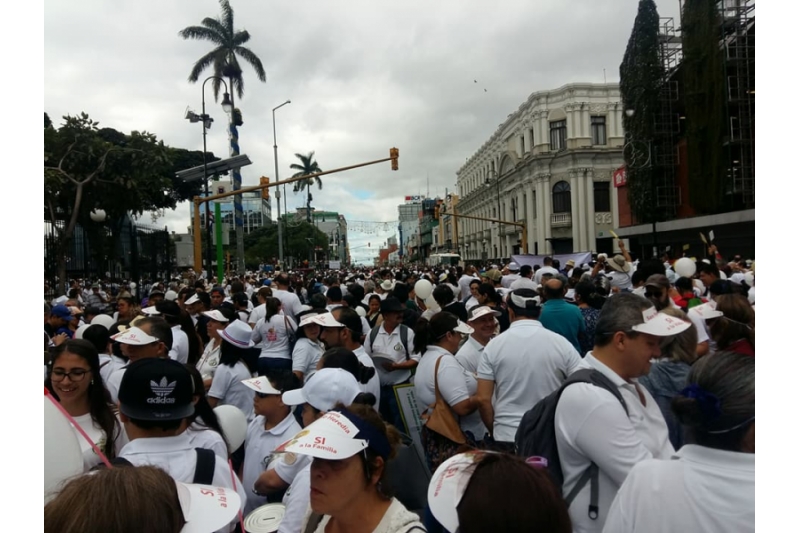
(416, 198)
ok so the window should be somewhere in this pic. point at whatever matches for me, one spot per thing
(562, 200)
(533, 140)
(599, 130)
(602, 197)
(558, 135)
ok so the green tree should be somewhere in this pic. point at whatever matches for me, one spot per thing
(87, 168)
(261, 244)
(306, 167)
(704, 96)
(640, 76)
(228, 48)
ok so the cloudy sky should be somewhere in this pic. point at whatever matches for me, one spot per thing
(363, 76)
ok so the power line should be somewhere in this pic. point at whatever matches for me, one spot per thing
(371, 227)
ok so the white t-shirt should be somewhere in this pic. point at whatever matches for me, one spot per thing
(291, 303)
(209, 361)
(591, 426)
(98, 436)
(203, 437)
(621, 279)
(109, 364)
(180, 346)
(471, 302)
(537, 277)
(702, 490)
(305, 357)
(526, 362)
(523, 283)
(463, 284)
(228, 388)
(258, 447)
(455, 386)
(296, 500)
(113, 383)
(508, 280)
(273, 336)
(257, 313)
(701, 327)
(469, 355)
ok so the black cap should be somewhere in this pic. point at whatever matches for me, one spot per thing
(156, 389)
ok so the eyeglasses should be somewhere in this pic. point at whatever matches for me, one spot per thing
(265, 394)
(653, 294)
(74, 375)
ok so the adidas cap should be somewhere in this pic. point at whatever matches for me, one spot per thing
(156, 389)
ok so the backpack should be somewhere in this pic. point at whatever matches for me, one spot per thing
(536, 435)
(373, 334)
(203, 472)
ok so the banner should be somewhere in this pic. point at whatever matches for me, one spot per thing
(409, 412)
(532, 260)
(334, 265)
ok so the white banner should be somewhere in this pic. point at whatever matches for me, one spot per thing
(334, 265)
(409, 411)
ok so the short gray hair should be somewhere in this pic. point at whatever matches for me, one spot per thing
(369, 286)
(620, 313)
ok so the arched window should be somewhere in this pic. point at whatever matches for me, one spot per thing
(562, 202)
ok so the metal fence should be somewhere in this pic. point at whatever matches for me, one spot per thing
(119, 251)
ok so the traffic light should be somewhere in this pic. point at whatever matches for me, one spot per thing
(264, 192)
(394, 153)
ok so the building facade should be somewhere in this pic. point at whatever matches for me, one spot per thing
(408, 228)
(549, 166)
(257, 211)
(448, 238)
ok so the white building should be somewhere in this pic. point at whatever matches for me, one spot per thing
(549, 166)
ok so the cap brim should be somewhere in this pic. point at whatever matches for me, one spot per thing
(325, 445)
(206, 508)
(193, 300)
(293, 397)
(215, 315)
(261, 384)
(227, 338)
(447, 487)
(463, 328)
(326, 320)
(155, 414)
(662, 325)
(134, 336)
(150, 310)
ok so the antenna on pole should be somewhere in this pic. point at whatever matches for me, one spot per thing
(428, 180)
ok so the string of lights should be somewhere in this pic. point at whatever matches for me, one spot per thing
(371, 227)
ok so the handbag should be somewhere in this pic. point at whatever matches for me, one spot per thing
(439, 417)
(290, 333)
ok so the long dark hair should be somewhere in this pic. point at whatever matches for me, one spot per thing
(273, 306)
(195, 350)
(202, 408)
(345, 359)
(99, 398)
(486, 289)
(429, 332)
(230, 355)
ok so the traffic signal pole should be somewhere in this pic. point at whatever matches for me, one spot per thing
(517, 224)
(394, 155)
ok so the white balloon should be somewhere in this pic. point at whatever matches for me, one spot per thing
(233, 423)
(685, 267)
(423, 289)
(431, 304)
(62, 452)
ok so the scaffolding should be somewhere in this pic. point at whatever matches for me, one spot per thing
(739, 43)
(667, 122)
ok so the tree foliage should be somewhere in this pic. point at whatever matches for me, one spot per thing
(306, 167)
(704, 94)
(640, 76)
(261, 244)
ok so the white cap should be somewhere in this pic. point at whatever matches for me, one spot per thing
(238, 333)
(387, 285)
(215, 315)
(461, 327)
(479, 311)
(151, 311)
(660, 324)
(261, 384)
(326, 320)
(325, 389)
(513, 267)
(707, 311)
(448, 485)
(193, 299)
(103, 320)
(135, 337)
(328, 437)
(206, 508)
(306, 320)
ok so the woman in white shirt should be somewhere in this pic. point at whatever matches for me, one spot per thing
(273, 331)
(709, 485)
(308, 349)
(226, 386)
(74, 380)
(203, 428)
(438, 340)
(207, 365)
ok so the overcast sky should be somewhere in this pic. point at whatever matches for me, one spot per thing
(363, 76)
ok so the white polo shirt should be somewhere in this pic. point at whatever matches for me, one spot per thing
(526, 362)
(113, 383)
(537, 277)
(258, 447)
(176, 456)
(109, 364)
(180, 346)
(469, 355)
(305, 357)
(389, 346)
(291, 303)
(227, 387)
(203, 437)
(509, 279)
(702, 489)
(591, 425)
(297, 500)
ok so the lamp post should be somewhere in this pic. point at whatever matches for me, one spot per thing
(277, 178)
(227, 107)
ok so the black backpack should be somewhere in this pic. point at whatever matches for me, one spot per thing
(536, 435)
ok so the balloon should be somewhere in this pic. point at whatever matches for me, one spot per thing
(430, 303)
(103, 320)
(685, 267)
(79, 332)
(423, 289)
(233, 423)
(62, 452)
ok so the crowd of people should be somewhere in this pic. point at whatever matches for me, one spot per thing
(608, 396)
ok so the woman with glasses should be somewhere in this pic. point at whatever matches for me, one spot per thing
(438, 368)
(75, 381)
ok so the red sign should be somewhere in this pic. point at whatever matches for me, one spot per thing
(620, 177)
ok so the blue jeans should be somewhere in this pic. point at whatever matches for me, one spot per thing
(268, 366)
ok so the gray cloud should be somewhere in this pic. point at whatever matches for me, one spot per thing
(362, 76)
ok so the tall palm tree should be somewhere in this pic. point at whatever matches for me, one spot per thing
(307, 167)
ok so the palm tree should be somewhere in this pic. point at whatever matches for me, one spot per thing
(307, 167)
(228, 45)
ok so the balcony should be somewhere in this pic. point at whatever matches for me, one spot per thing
(561, 220)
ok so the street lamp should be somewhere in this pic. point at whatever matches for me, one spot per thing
(227, 107)
(277, 178)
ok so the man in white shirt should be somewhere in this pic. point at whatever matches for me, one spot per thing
(546, 269)
(524, 280)
(482, 321)
(520, 367)
(170, 311)
(291, 303)
(590, 424)
(512, 276)
(465, 279)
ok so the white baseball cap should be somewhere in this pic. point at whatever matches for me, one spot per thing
(135, 337)
(326, 320)
(464, 328)
(261, 384)
(307, 319)
(206, 508)
(325, 389)
(448, 485)
(707, 311)
(480, 311)
(193, 299)
(513, 267)
(215, 315)
(151, 311)
(660, 324)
